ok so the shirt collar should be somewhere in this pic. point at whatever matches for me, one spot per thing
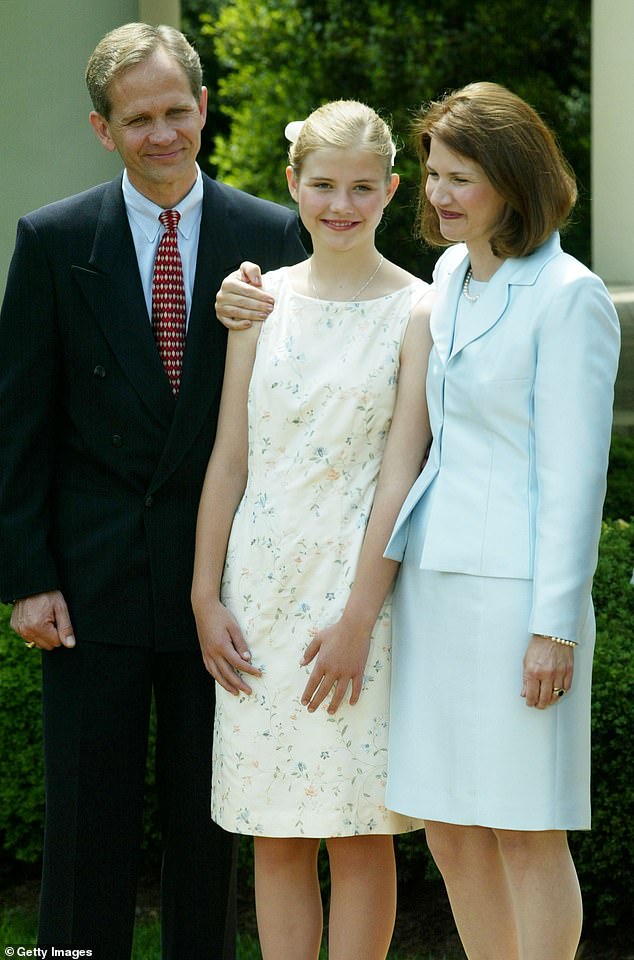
(145, 212)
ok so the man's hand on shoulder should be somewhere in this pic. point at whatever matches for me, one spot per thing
(43, 621)
(241, 301)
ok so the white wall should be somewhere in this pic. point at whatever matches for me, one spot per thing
(613, 140)
(160, 11)
(47, 147)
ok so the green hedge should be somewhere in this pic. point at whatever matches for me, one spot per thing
(21, 789)
(21, 774)
(619, 501)
(603, 856)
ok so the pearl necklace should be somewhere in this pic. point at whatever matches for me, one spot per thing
(361, 288)
(465, 288)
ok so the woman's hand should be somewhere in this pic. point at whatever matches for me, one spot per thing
(225, 653)
(241, 301)
(548, 667)
(341, 652)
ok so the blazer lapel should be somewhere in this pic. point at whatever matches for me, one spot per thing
(495, 298)
(112, 287)
(484, 314)
(443, 316)
(448, 340)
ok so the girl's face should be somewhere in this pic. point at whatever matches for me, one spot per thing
(342, 193)
(468, 206)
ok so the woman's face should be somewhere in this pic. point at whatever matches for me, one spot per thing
(468, 206)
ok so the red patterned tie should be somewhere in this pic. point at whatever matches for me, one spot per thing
(169, 310)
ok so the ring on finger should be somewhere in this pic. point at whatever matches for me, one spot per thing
(558, 691)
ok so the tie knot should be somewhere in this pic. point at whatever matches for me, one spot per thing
(169, 219)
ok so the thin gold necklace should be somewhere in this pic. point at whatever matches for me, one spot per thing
(361, 288)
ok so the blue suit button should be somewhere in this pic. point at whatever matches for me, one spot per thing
(116, 440)
(99, 371)
(149, 500)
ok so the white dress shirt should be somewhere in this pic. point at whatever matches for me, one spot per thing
(147, 230)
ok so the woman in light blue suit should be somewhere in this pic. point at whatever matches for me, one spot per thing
(498, 537)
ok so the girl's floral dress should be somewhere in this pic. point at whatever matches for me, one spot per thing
(320, 404)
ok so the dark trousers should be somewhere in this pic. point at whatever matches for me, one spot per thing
(96, 702)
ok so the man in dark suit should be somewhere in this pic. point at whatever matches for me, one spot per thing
(103, 459)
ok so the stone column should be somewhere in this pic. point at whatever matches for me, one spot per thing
(48, 148)
(160, 11)
(613, 140)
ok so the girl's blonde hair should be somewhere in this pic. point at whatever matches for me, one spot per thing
(343, 124)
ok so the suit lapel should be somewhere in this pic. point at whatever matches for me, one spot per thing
(484, 314)
(443, 316)
(480, 317)
(112, 287)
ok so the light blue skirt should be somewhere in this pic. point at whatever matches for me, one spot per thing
(464, 748)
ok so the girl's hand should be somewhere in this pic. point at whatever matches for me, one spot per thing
(225, 653)
(548, 668)
(340, 653)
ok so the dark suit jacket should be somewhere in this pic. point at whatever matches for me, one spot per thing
(101, 467)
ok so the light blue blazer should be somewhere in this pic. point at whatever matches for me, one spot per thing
(520, 403)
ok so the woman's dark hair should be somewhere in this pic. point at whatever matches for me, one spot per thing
(486, 123)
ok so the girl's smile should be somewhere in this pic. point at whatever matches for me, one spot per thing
(341, 192)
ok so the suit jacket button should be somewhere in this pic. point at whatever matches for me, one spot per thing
(99, 371)
(116, 440)
(149, 500)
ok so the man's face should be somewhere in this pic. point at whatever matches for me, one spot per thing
(155, 125)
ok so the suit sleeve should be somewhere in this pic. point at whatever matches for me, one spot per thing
(577, 359)
(290, 249)
(29, 372)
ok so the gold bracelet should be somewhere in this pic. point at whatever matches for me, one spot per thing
(565, 643)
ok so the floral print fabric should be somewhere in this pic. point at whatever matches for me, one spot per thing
(320, 404)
